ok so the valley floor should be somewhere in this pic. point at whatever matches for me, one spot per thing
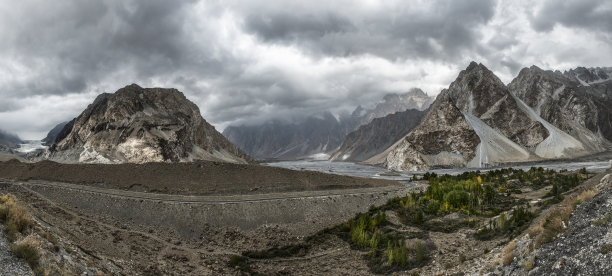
(94, 229)
(120, 229)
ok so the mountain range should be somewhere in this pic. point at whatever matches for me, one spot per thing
(479, 121)
(317, 135)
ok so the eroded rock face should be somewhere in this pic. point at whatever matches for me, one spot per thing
(479, 92)
(53, 133)
(443, 138)
(575, 102)
(140, 125)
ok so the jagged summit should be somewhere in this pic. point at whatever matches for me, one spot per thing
(139, 125)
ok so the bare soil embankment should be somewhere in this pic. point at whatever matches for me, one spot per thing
(197, 178)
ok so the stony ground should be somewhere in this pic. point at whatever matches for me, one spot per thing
(579, 250)
(83, 241)
(78, 241)
(9, 263)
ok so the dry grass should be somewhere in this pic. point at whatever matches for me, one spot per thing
(585, 196)
(536, 230)
(529, 262)
(552, 225)
(27, 249)
(508, 255)
(14, 216)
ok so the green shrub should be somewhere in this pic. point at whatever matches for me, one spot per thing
(397, 254)
(420, 253)
(433, 206)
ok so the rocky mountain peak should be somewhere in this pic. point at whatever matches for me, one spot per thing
(475, 122)
(139, 125)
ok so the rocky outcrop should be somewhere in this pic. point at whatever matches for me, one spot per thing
(316, 135)
(139, 125)
(373, 138)
(53, 133)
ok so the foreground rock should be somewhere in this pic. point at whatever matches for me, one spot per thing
(140, 125)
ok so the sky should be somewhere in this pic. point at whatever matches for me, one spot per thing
(244, 62)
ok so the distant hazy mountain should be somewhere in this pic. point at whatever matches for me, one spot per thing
(479, 121)
(53, 133)
(280, 140)
(376, 136)
(8, 141)
(391, 103)
(286, 141)
(142, 125)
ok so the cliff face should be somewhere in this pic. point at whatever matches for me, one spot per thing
(373, 138)
(142, 125)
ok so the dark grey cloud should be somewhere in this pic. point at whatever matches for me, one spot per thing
(71, 45)
(250, 61)
(585, 14)
(282, 27)
(441, 29)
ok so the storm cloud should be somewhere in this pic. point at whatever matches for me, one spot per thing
(249, 61)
